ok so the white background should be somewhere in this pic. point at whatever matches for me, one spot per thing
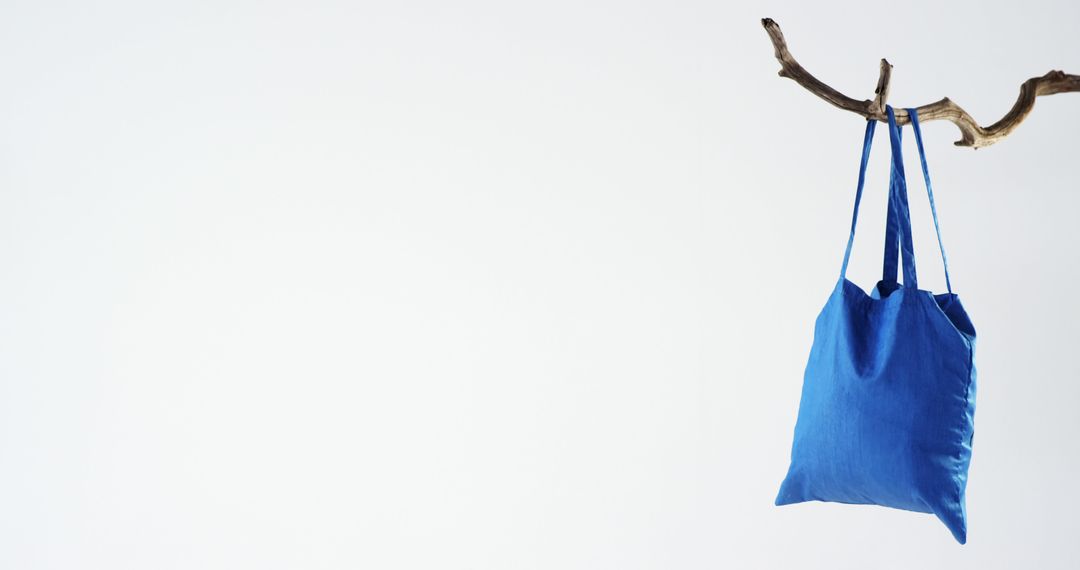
(501, 285)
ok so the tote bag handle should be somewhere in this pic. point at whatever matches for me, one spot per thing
(892, 225)
(899, 214)
(930, 193)
(898, 222)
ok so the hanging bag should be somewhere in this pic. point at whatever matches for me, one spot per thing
(888, 398)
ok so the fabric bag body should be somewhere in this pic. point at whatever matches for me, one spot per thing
(888, 400)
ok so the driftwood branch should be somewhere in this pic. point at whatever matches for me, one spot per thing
(973, 134)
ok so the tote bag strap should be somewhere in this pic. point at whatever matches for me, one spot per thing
(892, 227)
(930, 193)
(868, 139)
(899, 222)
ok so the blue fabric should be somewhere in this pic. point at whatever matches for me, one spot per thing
(888, 398)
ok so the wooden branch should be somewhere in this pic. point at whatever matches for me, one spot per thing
(973, 135)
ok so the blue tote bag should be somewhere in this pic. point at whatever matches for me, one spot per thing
(888, 398)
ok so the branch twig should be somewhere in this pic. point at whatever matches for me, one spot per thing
(973, 134)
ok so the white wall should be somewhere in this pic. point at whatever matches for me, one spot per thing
(500, 285)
